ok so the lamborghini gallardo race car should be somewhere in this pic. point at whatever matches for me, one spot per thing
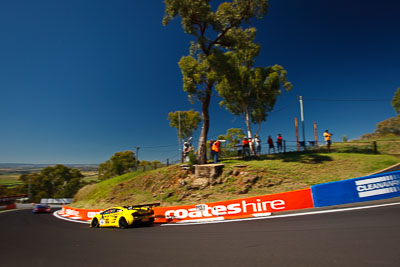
(124, 217)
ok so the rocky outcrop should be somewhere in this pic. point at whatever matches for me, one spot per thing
(208, 170)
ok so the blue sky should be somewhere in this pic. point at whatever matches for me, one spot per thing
(81, 80)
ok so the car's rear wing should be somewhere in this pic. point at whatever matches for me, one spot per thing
(150, 205)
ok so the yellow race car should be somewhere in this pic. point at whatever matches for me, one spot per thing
(125, 216)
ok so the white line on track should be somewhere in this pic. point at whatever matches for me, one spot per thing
(3, 211)
(285, 215)
(68, 219)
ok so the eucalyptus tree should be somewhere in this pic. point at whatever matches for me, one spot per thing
(215, 31)
(118, 164)
(396, 101)
(53, 182)
(186, 122)
(248, 91)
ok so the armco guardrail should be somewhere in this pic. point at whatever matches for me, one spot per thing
(374, 187)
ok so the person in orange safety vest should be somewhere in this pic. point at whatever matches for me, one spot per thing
(215, 149)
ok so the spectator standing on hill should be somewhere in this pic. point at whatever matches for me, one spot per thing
(327, 136)
(246, 147)
(215, 149)
(211, 151)
(279, 143)
(186, 150)
(270, 145)
(239, 148)
(257, 144)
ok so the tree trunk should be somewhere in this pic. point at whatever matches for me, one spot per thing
(202, 146)
(249, 134)
(258, 129)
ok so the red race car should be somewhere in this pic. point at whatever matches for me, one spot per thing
(41, 208)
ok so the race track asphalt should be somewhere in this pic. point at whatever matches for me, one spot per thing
(369, 237)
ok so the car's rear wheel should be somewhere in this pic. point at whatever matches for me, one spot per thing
(95, 223)
(122, 223)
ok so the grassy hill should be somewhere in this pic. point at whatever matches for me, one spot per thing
(269, 174)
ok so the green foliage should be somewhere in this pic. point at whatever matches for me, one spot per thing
(12, 190)
(150, 163)
(144, 163)
(389, 126)
(118, 164)
(396, 101)
(192, 160)
(233, 137)
(53, 182)
(186, 122)
(345, 138)
(247, 91)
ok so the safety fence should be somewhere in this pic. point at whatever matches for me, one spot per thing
(56, 200)
(374, 187)
(366, 147)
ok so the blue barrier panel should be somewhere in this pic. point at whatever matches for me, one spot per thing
(374, 187)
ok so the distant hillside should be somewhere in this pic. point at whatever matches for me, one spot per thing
(10, 172)
(27, 166)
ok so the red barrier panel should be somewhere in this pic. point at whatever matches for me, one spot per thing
(78, 214)
(8, 207)
(237, 208)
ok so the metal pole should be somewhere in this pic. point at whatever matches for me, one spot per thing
(302, 119)
(315, 134)
(297, 134)
(179, 136)
(137, 156)
(284, 146)
(29, 189)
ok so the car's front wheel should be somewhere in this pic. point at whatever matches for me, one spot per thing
(123, 223)
(95, 223)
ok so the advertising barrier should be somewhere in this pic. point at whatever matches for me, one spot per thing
(8, 207)
(374, 187)
(237, 208)
(78, 214)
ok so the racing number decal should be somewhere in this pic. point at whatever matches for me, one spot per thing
(102, 221)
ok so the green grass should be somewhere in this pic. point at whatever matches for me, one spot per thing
(275, 174)
(94, 193)
(9, 179)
